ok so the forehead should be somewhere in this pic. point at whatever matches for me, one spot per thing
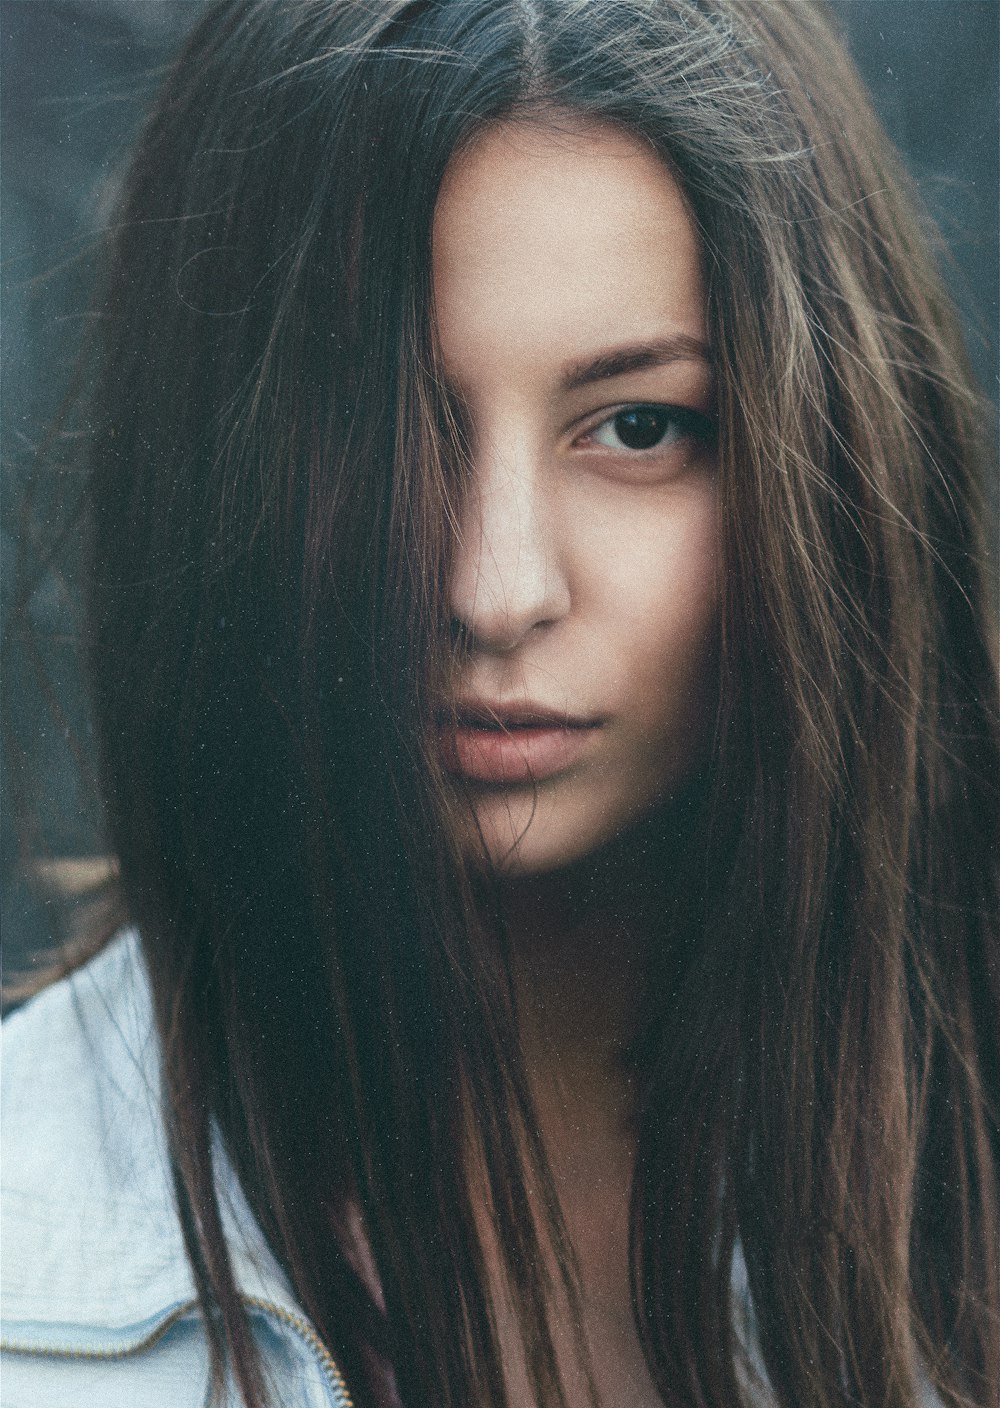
(552, 242)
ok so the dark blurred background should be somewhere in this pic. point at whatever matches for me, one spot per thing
(76, 76)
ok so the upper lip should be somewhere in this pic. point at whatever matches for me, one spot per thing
(479, 712)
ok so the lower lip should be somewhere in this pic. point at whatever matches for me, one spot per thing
(514, 755)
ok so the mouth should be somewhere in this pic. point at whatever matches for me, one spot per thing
(507, 744)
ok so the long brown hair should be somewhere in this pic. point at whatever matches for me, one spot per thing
(273, 476)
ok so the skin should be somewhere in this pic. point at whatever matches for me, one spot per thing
(586, 577)
(586, 580)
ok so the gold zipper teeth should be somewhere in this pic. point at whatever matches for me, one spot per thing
(306, 1332)
(12, 1347)
(295, 1322)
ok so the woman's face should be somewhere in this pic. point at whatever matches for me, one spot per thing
(570, 312)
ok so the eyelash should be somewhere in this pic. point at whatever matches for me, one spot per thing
(687, 424)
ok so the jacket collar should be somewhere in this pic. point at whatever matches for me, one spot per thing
(92, 1251)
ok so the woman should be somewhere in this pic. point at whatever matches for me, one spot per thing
(540, 662)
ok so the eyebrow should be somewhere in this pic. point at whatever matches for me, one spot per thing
(621, 360)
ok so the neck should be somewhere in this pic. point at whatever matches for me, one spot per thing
(584, 942)
(582, 939)
(579, 944)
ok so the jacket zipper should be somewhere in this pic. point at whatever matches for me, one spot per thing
(305, 1332)
(301, 1326)
(102, 1351)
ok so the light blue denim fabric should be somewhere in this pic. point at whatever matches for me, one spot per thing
(97, 1303)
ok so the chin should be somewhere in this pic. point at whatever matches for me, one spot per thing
(534, 855)
(534, 834)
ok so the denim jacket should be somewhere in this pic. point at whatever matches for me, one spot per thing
(97, 1301)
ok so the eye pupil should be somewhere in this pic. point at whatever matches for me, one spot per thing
(641, 427)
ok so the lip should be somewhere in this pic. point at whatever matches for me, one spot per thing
(504, 744)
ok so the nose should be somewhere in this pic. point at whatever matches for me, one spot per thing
(507, 576)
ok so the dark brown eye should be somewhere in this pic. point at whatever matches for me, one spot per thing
(643, 427)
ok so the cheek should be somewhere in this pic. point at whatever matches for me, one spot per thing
(657, 593)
